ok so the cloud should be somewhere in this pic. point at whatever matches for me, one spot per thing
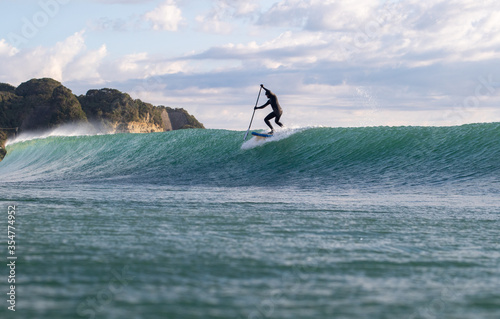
(165, 17)
(6, 50)
(212, 23)
(71, 61)
(141, 66)
(225, 15)
(414, 32)
(85, 67)
(67, 60)
(131, 23)
(61, 55)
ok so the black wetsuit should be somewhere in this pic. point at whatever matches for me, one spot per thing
(277, 111)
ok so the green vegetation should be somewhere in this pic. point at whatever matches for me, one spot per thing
(38, 104)
(115, 106)
(4, 87)
(110, 105)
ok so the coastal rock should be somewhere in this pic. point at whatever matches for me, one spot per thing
(136, 127)
(167, 125)
(124, 113)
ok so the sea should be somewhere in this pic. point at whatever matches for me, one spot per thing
(314, 222)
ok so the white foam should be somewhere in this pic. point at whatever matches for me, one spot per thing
(278, 135)
(75, 129)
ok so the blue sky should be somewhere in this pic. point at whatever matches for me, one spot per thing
(331, 63)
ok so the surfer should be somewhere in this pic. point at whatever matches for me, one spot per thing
(277, 111)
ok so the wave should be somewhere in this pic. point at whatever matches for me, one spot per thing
(302, 157)
(73, 129)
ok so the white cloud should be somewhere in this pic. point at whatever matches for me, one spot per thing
(57, 62)
(125, 24)
(226, 15)
(6, 50)
(243, 7)
(59, 57)
(85, 67)
(143, 71)
(214, 24)
(165, 17)
(288, 50)
(70, 60)
(287, 13)
(413, 32)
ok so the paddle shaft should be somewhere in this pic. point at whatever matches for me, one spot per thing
(256, 103)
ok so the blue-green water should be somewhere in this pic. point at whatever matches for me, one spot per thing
(315, 223)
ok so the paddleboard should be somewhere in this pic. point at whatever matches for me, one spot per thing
(261, 135)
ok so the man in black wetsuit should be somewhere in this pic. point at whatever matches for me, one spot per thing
(277, 111)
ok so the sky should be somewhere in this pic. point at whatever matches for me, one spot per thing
(332, 63)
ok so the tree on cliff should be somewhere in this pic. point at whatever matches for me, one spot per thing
(114, 106)
(39, 104)
(65, 107)
(117, 107)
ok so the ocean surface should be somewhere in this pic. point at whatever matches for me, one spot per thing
(315, 222)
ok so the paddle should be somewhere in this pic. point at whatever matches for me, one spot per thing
(258, 96)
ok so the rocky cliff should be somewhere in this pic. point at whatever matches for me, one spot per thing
(124, 114)
(45, 103)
